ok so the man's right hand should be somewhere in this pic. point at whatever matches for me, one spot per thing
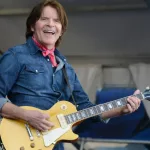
(35, 118)
(38, 120)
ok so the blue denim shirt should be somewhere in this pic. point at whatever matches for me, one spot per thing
(28, 79)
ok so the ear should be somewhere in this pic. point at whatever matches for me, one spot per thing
(61, 34)
(32, 29)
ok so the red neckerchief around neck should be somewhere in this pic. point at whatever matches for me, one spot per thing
(47, 52)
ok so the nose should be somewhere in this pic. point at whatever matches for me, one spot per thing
(51, 22)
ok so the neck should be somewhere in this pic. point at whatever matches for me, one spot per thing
(41, 45)
(98, 109)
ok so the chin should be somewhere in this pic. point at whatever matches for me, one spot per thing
(49, 45)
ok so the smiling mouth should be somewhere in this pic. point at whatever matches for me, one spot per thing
(49, 31)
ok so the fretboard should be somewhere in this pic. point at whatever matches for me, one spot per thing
(98, 109)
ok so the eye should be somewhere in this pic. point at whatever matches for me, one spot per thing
(43, 18)
(57, 20)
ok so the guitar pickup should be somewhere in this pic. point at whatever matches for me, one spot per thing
(62, 121)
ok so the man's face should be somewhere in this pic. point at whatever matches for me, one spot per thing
(48, 28)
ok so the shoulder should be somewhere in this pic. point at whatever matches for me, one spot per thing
(18, 49)
(15, 54)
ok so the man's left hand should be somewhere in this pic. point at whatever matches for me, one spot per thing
(133, 103)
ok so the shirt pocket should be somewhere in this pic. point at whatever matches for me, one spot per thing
(32, 77)
(33, 69)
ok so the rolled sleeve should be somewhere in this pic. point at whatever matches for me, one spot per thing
(105, 120)
(3, 101)
(99, 118)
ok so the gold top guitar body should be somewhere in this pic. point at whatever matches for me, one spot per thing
(17, 135)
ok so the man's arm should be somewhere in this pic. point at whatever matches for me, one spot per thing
(133, 105)
(82, 100)
(35, 118)
(12, 111)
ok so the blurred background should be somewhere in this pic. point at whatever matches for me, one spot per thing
(108, 44)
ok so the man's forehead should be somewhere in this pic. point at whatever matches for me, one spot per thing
(49, 11)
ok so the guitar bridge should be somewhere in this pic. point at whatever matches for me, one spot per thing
(62, 121)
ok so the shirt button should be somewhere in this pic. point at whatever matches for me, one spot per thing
(36, 71)
(64, 59)
(47, 59)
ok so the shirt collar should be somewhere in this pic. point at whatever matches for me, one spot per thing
(33, 48)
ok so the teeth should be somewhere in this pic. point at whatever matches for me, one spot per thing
(47, 31)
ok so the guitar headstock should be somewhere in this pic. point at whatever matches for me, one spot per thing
(146, 93)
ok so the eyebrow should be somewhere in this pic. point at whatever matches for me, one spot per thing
(44, 17)
(48, 17)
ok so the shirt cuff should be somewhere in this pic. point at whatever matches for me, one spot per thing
(105, 120)
(98, 119)
(3, 101)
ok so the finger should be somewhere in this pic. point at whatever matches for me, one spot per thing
(130, 110)
(46, 116)
(137, 92)
(44, 128)
(40, 129)
(136, 101)
(131, 103)
(48, 123)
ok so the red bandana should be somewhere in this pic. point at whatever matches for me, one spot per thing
(47, 52)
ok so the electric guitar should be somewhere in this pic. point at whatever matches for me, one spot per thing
(18, 135)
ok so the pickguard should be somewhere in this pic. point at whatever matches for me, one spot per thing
(53, 135)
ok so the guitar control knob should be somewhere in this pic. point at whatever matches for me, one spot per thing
(32, 145)
(22, 148)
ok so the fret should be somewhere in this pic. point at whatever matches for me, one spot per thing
(124, 101)
(118, 102)
(102, 108)
(78, 116)
(70, 118)
(86, 113)
(74, 117)
(114, 104)
(94, 109)
(105, 107)
(110, 105)
(98, 109)
(91, 112)
(83, 114)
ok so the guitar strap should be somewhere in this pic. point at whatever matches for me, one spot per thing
(66, 78)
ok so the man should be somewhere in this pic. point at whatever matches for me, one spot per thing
(31, 73)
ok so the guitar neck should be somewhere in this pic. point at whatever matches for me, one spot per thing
(98, 109)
